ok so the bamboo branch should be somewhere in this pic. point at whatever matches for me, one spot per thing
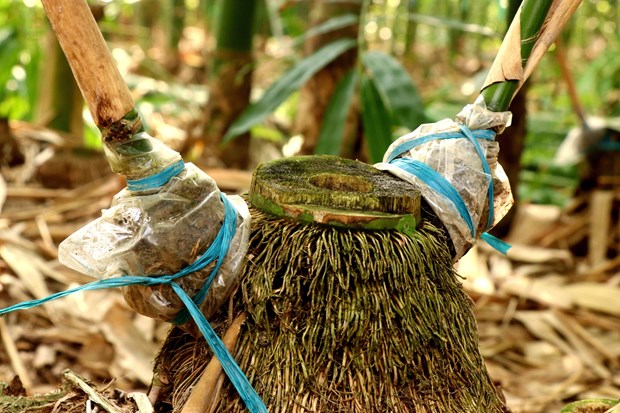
(535, 26)
(561, 11)
(102, 85)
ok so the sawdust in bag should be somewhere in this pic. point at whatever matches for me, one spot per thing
(458, 161)
(159, 232)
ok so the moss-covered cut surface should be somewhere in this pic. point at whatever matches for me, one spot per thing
(335, 191)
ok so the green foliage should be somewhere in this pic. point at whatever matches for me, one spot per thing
(92, 136)
(19, 59)
(9, 55)
(267, 133)
(295, 18)
(335, 23)
(388, 96)
(542, 182)
(599, 84)
(396, 87)
(376, 118)
(332, 128)
(286, 85)
(393, 98)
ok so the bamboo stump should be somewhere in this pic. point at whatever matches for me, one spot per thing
(352, 302)
(335, 191)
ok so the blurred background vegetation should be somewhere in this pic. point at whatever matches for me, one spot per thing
(323, 76)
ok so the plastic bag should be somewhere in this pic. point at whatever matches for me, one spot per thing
(458, 161)
(158, 232)
(140, 156)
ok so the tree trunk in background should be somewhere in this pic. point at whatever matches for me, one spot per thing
(10, 152)
(412, 28)
(512, 140)
(317, 92)
(147, 13)
(60, 103)
(230, 81)
(176, 24)
(457, 37)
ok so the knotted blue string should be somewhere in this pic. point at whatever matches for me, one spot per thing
(442, 186)
(216, 251)
(156, 180)
(496, 243)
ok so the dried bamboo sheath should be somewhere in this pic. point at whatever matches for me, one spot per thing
(343, 320)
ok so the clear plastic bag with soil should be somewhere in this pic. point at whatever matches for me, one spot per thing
(159, 232)
(458, 161)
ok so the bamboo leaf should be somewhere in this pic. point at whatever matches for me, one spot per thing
(335, 23)
(376, 119)
(395, 85)
(9, 55)
(332, 128)
(285, 85)
(453, 24)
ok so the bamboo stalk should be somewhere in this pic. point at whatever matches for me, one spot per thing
(534, 28)
(102, 85)
(507, 69)
(561, 11)
(562, 60)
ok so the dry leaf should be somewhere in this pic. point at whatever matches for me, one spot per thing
(537, 255)
(543, 291)
(25, 265)
(134, 353)
(595, 296)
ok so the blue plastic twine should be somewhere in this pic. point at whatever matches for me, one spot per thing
(156, 180)
(216, 251)
(442, 186)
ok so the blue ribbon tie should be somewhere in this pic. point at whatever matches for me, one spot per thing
(156, 180)
(441, 185)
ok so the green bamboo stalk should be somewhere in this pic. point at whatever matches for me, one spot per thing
(533, 14)
(59, 105)
(230, 80)
(411, 27)
(236, 25)
(176, 24)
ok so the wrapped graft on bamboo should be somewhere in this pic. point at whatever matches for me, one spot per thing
(159, 227)
(169, 214)
(454, 162)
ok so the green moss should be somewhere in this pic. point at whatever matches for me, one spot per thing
(23, 404)
(335, 191)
